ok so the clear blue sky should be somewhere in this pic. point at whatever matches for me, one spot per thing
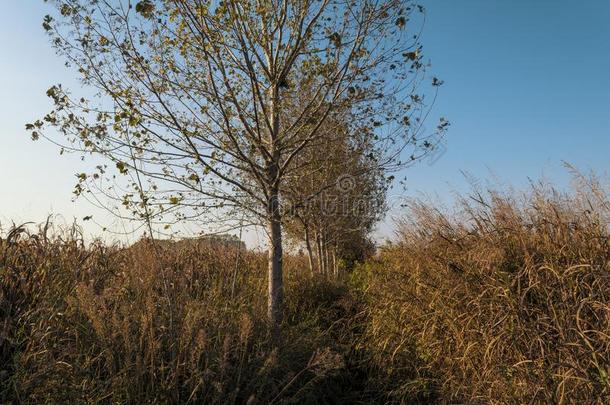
(527, 85)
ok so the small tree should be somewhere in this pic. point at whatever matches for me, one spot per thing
(192, 93)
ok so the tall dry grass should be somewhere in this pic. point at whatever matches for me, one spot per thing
(504, 300)
(148, 324)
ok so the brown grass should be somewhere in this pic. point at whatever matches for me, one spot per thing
(105, 324)
(505, 300)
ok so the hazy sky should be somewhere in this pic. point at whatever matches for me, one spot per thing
(527, 85)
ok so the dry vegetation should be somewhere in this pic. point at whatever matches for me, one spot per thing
(505, 300)
(103, 324)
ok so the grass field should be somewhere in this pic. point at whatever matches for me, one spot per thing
(505, 299)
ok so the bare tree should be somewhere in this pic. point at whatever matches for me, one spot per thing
(192, 92)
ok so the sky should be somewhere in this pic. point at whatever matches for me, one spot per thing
(526, 88)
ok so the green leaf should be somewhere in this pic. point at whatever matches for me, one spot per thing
(437, 82)
(52, 91)
(46, 22)
(121, 167)
(134, 120)
(65, 10)
(410, 55)
(335, 38)
(145, 8)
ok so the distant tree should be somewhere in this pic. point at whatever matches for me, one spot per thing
(338, 194)
(191, 92)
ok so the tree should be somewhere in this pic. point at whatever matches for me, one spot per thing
(191, 95)
(339, 217)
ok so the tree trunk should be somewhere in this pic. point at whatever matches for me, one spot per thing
(309, 251)
(335, 267)
(275, 301)
(320, 259)
(326, 257)
(275, 298)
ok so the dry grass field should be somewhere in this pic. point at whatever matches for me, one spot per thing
(504, 300)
